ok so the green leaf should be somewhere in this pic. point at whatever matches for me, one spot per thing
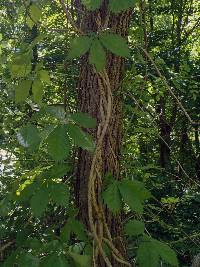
(134, 227)
(97, 56)
(35, 13)
(112, 197)
(84, 120)
(28, 136)
(27, 259)
(39, 201)
(134, 194)
(37, 89)
(79, 46)
(115, 43)
(78, 229)
(55, 260)
(58, 143)
(21, 64)
(57, 171)
(81, 260)
(75, 227)
(44, 76)
(30, 23)
(60, 194)
(147, 256)
(80, 138)
(92, 4)
(57, 111)
(22, 91)
(166, 253)
(119, 5)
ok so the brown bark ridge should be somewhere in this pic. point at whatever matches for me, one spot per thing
(93, 99)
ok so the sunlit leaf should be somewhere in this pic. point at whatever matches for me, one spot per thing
(92, 4)
(97, 55)
(84, 120)
(58, 143)
(119, 5)
(115, 43)
(80, 138)
(28, 136)
(79, 46)
(22, 91)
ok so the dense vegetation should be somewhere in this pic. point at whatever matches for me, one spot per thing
(99, 137)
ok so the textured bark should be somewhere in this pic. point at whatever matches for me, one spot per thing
(89, 101)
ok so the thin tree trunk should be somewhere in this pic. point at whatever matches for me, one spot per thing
(90, 90)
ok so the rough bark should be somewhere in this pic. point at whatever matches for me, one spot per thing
(90, 88)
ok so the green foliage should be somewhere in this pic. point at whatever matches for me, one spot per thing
(58, 143)
(134, 194)
(27, 259)
(84, 120)
(59, 193)
(134, 228)
(35, 13)
(21, 64)
(51, 260)
(28, 136)
(155, 251)
(92, 4)
(118, 6)
(44, 76)
(81, 260)
(115, 43)
(73, 227)
(22, 91)
(79, 46)
(80, 138)
(39, 201)
(38, 90)
(112, 197)
(147, 256)
(37, 198)
(97, 55)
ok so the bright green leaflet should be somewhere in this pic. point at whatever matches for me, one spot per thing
(28, 136)
(119, 5)
(38, 90)
(147, 256)
(97, 56)
(22, 91)
(115, 43)
(58, 143)
(44, 76)
(79, 46)
(112, 197)
(35, 13)
(84, 120)
(80, 138)
(92, 4)
(134, 194)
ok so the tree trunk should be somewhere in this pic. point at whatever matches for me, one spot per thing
(91, 88)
